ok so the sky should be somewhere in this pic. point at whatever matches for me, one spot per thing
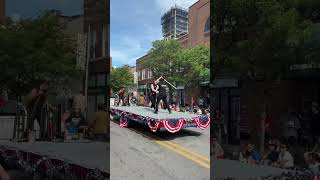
(30, 8)
(134, 26)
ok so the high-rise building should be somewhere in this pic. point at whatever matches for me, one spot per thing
(175, 22)
(2, 9)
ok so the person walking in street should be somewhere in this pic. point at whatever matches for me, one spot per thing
(154, 91)
(162, 95)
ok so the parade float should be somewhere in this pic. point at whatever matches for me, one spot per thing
(163, 121)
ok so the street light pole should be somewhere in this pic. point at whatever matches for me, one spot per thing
(87, 71)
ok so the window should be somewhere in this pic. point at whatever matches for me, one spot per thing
(94, 43)
(92, 81)
(207, 25)
(104, 40)
(101, 80)
(139, 75)
(149, 74)
(143, 74)
(100, 99)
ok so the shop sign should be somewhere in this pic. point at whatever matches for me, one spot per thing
(301, 67)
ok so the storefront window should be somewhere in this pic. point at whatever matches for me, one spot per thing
(101, 80)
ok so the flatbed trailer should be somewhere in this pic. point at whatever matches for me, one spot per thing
(163, 121)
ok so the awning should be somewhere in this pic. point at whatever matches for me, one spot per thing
(225, 83)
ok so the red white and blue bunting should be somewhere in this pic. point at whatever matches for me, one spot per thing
(171, 125)
(153, 125)
(51, 168)
(202, 122)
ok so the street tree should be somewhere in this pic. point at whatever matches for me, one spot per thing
(180, 66)
(32, 50)
(121, 77)
(258, 39)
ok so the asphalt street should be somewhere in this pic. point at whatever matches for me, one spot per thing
(241, 171)
(138, 154)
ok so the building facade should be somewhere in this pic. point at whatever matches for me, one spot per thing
(198, 25)
(97, 25)
(73, 26)
(175, 22)
(144, 74)
(2, 9)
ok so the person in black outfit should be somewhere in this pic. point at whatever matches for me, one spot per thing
(154, 88)
(162, 95)
(35, 107)
(121, 95)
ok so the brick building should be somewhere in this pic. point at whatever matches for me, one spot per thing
(199, 25)
(145, 75)
(2, 9)
(97, 25)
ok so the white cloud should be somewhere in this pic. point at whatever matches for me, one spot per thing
(165, 5)
(126, 51)
(118, 55)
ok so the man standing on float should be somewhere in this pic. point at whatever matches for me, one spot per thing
(162, 95)
(154, 87)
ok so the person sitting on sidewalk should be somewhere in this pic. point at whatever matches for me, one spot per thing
(100, 124)
(250, 155)
(285, 159)
(312, 160)
(75, 120)
(216, 150)
(272, 155)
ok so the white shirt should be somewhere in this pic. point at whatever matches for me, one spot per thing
(286, 156)
(314, 167)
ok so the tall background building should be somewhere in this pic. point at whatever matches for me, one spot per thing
(175, 22)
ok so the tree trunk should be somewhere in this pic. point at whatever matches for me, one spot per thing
(263, 121)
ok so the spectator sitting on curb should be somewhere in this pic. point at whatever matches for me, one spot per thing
(313, 162)
(272, 155)
(216, 150)
(101, 124)
(285, 159)
(250, 155)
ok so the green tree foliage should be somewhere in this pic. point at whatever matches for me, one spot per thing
(180, 66)
(121, 77)
(33, 50)
(259, 36)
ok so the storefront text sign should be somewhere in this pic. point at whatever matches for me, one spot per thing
(300, 67)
